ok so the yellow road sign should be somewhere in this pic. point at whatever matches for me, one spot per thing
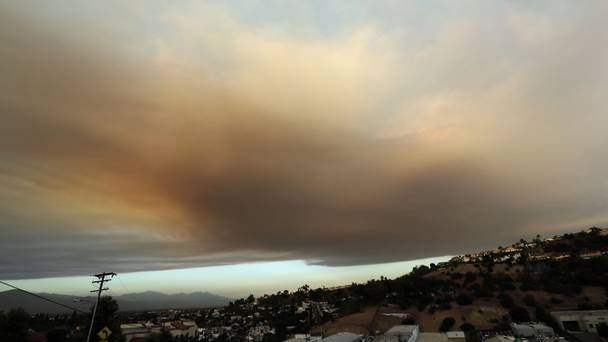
(104, 333)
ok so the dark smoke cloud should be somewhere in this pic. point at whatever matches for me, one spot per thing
(173, 160)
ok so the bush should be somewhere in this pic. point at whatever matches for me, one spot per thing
(529, 300)
(528, 287)
(466, 327)
(57, 335)
(456, 276)
(556, 300)
(445, 306)
(469, 277)
(602, 330)
(447, 324)
(506, 300)
(519, 314)
(409, 321)
(464, 299)
(545, 317)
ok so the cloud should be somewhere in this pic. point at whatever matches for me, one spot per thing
(194, 138)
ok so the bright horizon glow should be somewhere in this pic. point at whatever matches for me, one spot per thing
(234, 281)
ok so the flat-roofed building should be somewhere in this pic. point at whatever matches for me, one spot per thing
(135, 330)
(343, 337)
(432, 337)
(456, 336)
(531, 330)
(400, 333)
(581, 321)
(304, 338)
(501, 338)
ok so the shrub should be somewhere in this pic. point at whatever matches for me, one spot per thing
(544, 316)
(555, 300)
(469, 277)
(529, 300)
(466, 327)
(464, 299)
(602, 330)
(445, 306)
(519, 314)
(408, 321)
(456, 276)
(447, 324)
(506, 300)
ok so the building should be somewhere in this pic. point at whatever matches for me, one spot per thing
(456, 336)
(501, 338)
(581, 321)
(432, 337)
(343, 337)
(532, 330)
(400, 333)
(134, 331)
(385, 338)
(304, 338)
(591, 255)
(396, 314)
(258, 332)
(182, 328)
(36, 337)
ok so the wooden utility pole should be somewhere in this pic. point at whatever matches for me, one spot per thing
(101, 278)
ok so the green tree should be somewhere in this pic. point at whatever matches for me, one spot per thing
(506, 300)
(163, 336)
(519, 314)
(106, 316)
(602, 330)
(250, 299)
(57, 335)
(466, 327)
(464, 299)
(447, 324)
(17, 322)
(529, 300)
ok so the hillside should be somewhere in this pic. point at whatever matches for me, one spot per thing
(486, 290)
(128, 302)
(155, 300)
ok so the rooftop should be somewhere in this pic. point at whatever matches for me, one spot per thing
(343, 337)
(432, 337)
(401, 330)
(455, 334)
(582, 312)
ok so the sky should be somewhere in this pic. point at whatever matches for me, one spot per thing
(333, 139)
(232, 281)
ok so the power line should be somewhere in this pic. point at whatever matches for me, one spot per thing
(127, 292)
(42, 297)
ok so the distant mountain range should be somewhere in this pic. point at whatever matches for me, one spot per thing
(149, 300)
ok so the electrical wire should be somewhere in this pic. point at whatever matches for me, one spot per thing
(43, 298)
(127, 292)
